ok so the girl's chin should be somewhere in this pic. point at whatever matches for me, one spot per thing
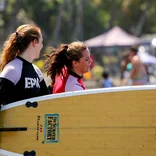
(87, 71)
(88, 68)
(37, 56)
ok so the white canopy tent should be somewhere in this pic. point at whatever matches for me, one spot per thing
(114, 37)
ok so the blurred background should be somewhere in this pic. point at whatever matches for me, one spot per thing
(108, 27)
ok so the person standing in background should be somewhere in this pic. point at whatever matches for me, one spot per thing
(66, 66)
(138, 73)
(125, 68)
(107, 81)
(19, 78)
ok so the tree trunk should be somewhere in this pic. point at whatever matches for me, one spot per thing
(113, 14)
(78, 34)
(12, 25)
(142, 19)
(56, 33)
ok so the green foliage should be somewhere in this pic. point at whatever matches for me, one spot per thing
(61, 19)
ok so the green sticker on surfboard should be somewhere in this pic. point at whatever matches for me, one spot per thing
(51, 128)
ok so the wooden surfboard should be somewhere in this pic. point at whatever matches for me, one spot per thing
(118, 121)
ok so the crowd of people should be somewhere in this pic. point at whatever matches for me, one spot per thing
(65, 65)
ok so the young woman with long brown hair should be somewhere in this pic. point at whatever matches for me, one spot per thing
(66, 66)
(19, 78)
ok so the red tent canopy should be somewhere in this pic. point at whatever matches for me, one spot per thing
(114, 37)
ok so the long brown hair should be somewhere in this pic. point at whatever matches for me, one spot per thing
(18, 42)
(62, 57)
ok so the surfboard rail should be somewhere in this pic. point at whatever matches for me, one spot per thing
(77, 93)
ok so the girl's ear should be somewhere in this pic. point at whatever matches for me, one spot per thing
(75, 63)
(34, 43)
